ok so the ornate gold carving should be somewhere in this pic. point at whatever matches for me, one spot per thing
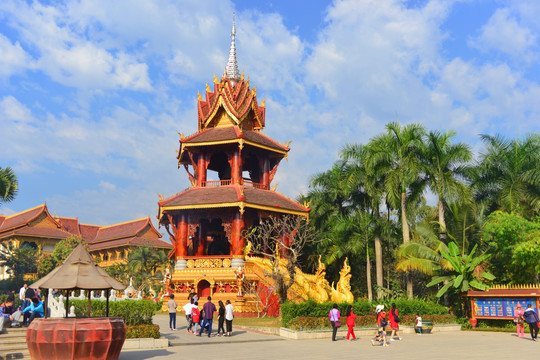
(242, 76)
(342, 292)
(190, 264)
(207, 87)
(275, 187)
(263, 102)
(226, 262)
(199, 96)
(161, 197)
(182, 137)
(216, 80)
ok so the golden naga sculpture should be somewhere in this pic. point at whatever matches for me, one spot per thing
(342, 292)
(309, 286)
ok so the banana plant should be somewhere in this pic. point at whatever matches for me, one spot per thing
(465, 272)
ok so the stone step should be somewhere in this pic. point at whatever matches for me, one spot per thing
(12, 341)
(8, 355)
(12, 347)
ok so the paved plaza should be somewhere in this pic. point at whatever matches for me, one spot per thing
(253, 345)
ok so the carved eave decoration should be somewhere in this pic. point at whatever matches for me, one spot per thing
(238, 101)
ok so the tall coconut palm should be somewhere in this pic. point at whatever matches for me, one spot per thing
(8, 184)
(508, 175)
(396, 154)
(444, 163)
(369, 195)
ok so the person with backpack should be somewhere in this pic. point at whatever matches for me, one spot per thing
(393, 317)
(8, 315)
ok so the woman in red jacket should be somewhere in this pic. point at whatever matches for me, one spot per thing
(350, 322)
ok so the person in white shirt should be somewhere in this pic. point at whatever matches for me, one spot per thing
(418, 324)
(22, 297)
(229, 317)
(188, 308)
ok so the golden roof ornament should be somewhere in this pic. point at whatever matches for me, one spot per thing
(207, 87)
(199, 96)
(263, 102)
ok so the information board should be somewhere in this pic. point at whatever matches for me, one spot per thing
(501, 307)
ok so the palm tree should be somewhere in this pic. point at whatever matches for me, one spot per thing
(508, 175)
(143, 263)
(443, 163)
(350, 237)
(8, 184)
(368, 195)
(396, 154)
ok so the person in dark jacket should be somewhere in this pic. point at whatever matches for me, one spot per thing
(531, 318)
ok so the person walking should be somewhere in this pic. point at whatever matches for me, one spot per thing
(334, 316)
(188, 308)
(531, 318)
(351, 317)
(418, 324)
(393, 317)
(229, 316)
(221, 319)
(195, 316)
(520, 322)
(172, 312)
(209, 308)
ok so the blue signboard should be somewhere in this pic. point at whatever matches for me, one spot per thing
(501, 307)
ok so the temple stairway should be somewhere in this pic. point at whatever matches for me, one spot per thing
(13, 344)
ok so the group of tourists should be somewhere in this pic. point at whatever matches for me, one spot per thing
(381, 320)
(200, 320)
(31, 308)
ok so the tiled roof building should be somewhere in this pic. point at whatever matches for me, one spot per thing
(37, 228)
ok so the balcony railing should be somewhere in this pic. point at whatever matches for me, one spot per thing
(246, 183)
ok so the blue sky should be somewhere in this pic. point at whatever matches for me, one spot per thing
(93, 92)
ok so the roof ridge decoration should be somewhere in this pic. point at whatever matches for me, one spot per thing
(231, 69)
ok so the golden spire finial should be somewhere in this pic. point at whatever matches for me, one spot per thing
(216, 80)
(263, 102)
(242, 76)
(199, 96)
(254, 91)
(275, 187)
(207, 87)
(181, 134)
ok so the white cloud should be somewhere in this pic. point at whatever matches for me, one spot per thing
(13, 58)
(503, 32)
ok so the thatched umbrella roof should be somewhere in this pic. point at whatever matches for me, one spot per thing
(79, 271)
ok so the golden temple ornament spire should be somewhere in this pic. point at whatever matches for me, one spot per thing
(231, 70)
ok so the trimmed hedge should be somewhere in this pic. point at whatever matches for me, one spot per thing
(312, 323)
(290, 311)
(134, 312)
(142, 331)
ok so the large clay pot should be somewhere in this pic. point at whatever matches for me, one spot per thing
(76, 338)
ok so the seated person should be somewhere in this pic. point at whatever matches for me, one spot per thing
(8, 315)
(31, 312)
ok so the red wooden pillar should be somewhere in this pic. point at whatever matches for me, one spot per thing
(237, 240)
(201, 243)
(236, 168)
(181, 237)
(265, 179)
(202, 165)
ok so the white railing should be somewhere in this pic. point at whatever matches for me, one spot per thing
(56, 306)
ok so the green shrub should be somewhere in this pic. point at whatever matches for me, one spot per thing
(134, 312)
(142, 331)
(290, 311)
(311, 323)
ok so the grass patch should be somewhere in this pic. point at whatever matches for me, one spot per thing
(262, 322)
